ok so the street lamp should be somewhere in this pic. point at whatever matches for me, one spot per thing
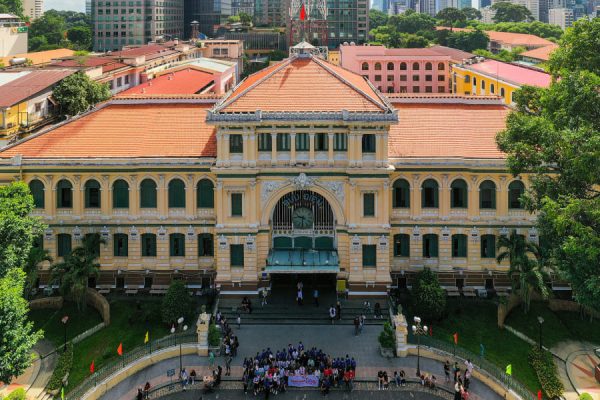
(541, 321)
(183, 329)
(64, 321)
(419, 330)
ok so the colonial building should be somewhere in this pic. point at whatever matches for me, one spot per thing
(303, 168)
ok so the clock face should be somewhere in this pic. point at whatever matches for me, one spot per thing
(302, 218)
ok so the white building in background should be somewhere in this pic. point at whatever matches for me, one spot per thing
(13, 35)
(487, 15)
(562, 17)
(33, 8)
(88, 7)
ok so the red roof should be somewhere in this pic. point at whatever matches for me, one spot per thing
(31, 84)
(186, 81)
(541, 53)
(85, 61)
(512, 73)
(513, 39)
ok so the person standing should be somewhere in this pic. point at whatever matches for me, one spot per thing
(228, 365)
(211, 359)
(263, 297)
(447, 371)
(300, 297)
(332, 313)
(338, 310)
(239, 321)
(316, 297)
(356, 325)
(362, 320)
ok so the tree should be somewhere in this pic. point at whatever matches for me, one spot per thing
(177, 303)
(73, 273)
(578, 48)
(428, 297)
(81, 37)
(451, 16)
(16, 333)
(377, 18)
(36, 257)
(77, 93)
(471, 13)
(245, 18)
(233, 19)
(11, 7)
(511, 12)
(51, 26)
(468, 40)
(414, 41)
(17, 228)
(412, 22)
(502, 55)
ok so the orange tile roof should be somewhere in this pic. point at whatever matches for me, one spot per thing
(541, 53)
(39, 57)
(447, 131)
(142, 130)
(304, 84)
(186, 81)
(514, 39)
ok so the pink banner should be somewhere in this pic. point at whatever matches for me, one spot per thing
(303, 381)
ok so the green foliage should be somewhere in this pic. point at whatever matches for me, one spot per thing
(80, 37)
(428, 297)
(377, 18)
(277, 55)
(511, 12)
(586, 396)
(578, 48)
(542, 363)
(412, 22)
(77, 93)
(233, 19)
(214, 335)
(16, 333)
(63, 366)
(11, 7)
(18, 394)
(17, 228)
(387, 337)
(35, 258)
(471, 13)
(48, 30)
(468, 40)
(245, 18)
(502, 55)
(451, 17)
(177, 303)
(547, 31)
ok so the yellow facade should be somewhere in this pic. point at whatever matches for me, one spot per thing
(468, 82)
(333, 56)
(11, 118)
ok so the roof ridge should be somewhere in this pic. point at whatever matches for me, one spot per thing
(227, 101)
(346, 82)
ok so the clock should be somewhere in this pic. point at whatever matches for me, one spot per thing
(302, 218)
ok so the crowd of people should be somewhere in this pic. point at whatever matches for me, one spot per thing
(461, 381)
(271, 372)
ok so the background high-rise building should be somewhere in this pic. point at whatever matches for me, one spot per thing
(88, 7)
(347, 21)
(119, 23)
(209, 14)
(271, 12)
(562, 17)
(426, 7)
(33, 8)
(245, 6)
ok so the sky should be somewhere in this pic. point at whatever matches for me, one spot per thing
(68, 5)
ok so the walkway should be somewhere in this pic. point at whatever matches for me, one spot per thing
(577, 373)
(335, 340)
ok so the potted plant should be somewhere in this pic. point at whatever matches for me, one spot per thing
(387, 341)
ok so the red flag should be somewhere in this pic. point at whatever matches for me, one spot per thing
(120, 349)
(92, 367)
(302, 13)
(431, 331)
(539, 395)
(455, 338)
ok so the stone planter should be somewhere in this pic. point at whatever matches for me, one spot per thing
(386, 352)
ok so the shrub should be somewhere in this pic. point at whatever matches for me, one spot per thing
(177, 303)
(214, 335)
(387, 337)
(428, 297)
(63, 366)
(586, 396)
(545, 369)
(18, 394)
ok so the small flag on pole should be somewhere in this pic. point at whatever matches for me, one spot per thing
(120, 349)
(455, 338)
(431, 331)
(147, 337)
(302, 13)
(509, 369)
(62, 393)
(92, 367)
(481, 350)
(539, 395)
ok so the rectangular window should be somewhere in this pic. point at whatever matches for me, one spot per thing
(283, 142)
(237, 255)
(119, 79)
(416, 78)
(120, 248)
(205, 245)
(428, 78)
(236, 144)
(340, 142)
(236, 204)
(264, 142)
(368, 143)
(63, 244)
(127, 79)
(321, 142)
(403, 89)
(403, 78)
(177, 242)
(148, 245)
(302, 142)
(428, 89)
(369, 255)
(369, 204)
(441, 78)
(401, 245)
(488, 246)
(390, 78)
(416, 89)
(377, 78)
(459, 245)
(441, 89)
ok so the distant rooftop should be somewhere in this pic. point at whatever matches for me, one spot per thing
(541, 53)
(185, 81)
(514, 39)
(511, 73)
(39, 57)
(28, 84)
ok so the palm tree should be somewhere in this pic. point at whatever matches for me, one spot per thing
(527, 274)
(36, 256)
(78, 266)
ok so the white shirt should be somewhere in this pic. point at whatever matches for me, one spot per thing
(332, 312)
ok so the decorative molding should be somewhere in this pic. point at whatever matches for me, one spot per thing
(77, 233)
(355, 242)
(250, 243)
(268, 187)
(133, 233)
(222, 242)
(383, 242)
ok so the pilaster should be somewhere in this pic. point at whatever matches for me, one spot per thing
(311, 152)
(293, 148)
(273, 148)
(330, 136)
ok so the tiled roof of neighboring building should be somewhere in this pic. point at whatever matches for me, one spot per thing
(514, 39)
(39, 57)
(454, 54)
(541, 53)
(30, 84)
(304, 84)
(186, 81)
(518, 75)
(85, 61)
(129, 130)
(447, 131)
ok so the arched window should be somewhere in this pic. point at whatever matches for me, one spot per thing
(459, 245)
(148, 194)
(441, 66)
(205, 245)
(428, 66)
(63, 244)
(92, 194)
(458, 194)
(515, 191)
(487, 195)
(401, 194)
(176, 194)
(402, 245)
(177, 245)
(474, 83)
(120, 245)
(120, 192)
(430, 245)
(205, 194)
(148, 245)
(492, 88)
(377, 66)
(64, 194)
(416, 66)
(36, 187)
(488, 246)
(365, 66)
(502, 92)
(390, 66)
(483, 85)
(403, 66)
(429, 194)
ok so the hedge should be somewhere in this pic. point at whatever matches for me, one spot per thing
(18, 394)
(63, 366)
(214, 335)
(543, 365)
(585, 396)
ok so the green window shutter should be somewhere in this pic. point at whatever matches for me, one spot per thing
(487, 195)
(488, 246)
(120, 245)
(237, 255)
(369, 255)
(429, 194)
(401, 245)
(340, 142)
(176, 194)
(459, 245)
(368, 143)
(205, 245)
(92, 194)
(369, 204)
(515, 191)
(176, 245)
(236, 204)
(401, 192)
(64, 244)
(430, 246)
(321, 142)
(148, 245)
(283, 142)
(36, 188)
(302, 142)
(264, 142)
(205, 194)
(236, 143)
(120, 194)
(148, 194)
(64, 194)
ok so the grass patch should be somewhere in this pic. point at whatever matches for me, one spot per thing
(580, 328)
(50, 322)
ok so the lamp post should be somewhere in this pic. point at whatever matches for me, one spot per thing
(64, 320)
(541, 321)
(419, 330)
(183, 329)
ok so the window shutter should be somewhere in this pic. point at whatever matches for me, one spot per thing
(237, 255)
(369, 204)
(369, 255)
(236, 204)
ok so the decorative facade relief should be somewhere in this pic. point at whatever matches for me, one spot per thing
(133, 233)
(268, 187)
(222, 242)
(250, 243)
(77, 233)
(356, 244)
(383, 243)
